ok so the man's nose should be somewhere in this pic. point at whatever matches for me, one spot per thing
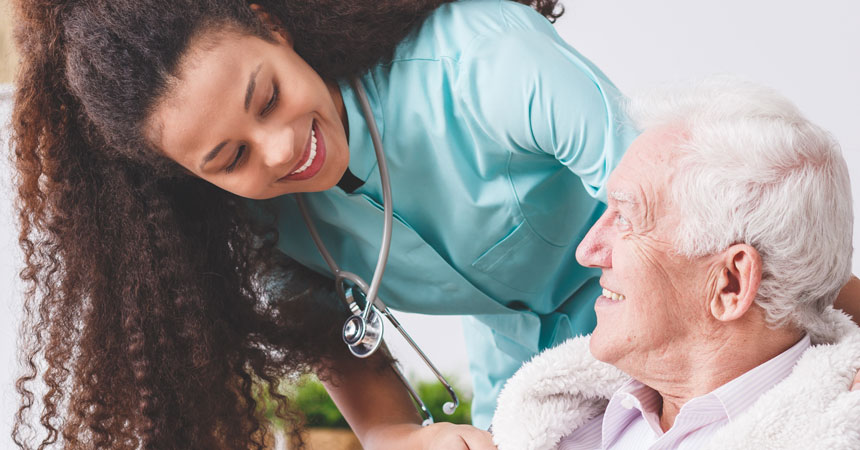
(594, 249)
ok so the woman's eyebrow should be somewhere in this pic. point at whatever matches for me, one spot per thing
(249, 94)
(252, 83)
(212, 154)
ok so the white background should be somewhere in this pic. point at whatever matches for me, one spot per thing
(808, 50)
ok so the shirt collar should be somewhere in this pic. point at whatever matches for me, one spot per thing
(631, 400)
(362, 158)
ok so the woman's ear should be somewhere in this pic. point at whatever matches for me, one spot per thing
(273, 24)
(738, 282)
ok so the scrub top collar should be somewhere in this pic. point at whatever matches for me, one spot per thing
(362, 158)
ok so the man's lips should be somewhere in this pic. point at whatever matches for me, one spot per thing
(609, 296)
(613, 295)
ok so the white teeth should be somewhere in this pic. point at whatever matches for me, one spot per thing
(312, 155)
(612, 295)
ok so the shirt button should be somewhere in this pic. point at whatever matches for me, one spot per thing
(628, 403)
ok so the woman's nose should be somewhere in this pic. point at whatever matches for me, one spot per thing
(594, 249)
(279, 149)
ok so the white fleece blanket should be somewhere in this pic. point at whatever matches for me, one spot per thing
(562, 388)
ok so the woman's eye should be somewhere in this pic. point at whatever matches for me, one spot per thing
(239, 153)
(273, 100)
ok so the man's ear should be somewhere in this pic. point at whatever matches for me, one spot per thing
(737, 283)
(274, 24)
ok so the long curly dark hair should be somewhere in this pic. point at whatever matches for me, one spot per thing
(158, 308)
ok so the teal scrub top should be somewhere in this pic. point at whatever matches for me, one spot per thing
(499, 139)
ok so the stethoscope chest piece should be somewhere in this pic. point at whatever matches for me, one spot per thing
(362, 336)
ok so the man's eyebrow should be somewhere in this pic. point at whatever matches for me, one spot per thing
(623, 197)
(212, 154)
(252, 83)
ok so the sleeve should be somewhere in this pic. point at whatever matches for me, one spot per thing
(529, 91)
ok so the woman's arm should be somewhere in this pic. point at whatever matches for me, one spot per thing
(380, 412)
(849, 299)
(531, 92)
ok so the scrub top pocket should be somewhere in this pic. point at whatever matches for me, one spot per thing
(515, 260)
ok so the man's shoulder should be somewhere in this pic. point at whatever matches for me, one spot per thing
(562, 388)
(552, 395)
(812, 407)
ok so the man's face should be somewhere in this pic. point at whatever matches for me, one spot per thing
(653, 299)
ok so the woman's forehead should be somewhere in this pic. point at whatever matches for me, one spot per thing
(211, 82)
(218, 45)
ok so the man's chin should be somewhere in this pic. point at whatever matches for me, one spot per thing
(602, 348)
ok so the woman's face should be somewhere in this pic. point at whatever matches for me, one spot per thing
(253, 118)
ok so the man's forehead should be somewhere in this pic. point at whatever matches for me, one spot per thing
(647, 165)
(658, 144)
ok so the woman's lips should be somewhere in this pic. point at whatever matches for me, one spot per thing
(316, 158)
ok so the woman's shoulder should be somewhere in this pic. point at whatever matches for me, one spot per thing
(453, 28)
(490, 16)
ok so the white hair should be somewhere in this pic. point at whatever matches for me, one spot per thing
(754, 170)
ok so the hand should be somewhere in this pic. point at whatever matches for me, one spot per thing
(856, 385)
(448, 436)
(439, 436)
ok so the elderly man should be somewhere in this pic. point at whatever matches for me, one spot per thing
(726, 239)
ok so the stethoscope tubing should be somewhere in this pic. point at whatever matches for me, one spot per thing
(448, 407)
(372, 302)
(388, 217)
(388, 209)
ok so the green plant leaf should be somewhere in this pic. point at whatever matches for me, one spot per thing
(309, 396)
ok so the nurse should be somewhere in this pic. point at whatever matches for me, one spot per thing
(499, 138)
(142, 125)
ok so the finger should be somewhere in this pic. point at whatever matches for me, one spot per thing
(449, 437)
(450, 443)
(462, 444)
(479, 440)
(856, 385)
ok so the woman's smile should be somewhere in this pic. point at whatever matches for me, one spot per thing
(312, 160)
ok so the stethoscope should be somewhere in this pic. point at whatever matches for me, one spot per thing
(362, 331)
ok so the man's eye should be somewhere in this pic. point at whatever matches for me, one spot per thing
(239, 153)
(272, 101)
(622, 221)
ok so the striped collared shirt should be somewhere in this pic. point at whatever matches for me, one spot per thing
(632, 420)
